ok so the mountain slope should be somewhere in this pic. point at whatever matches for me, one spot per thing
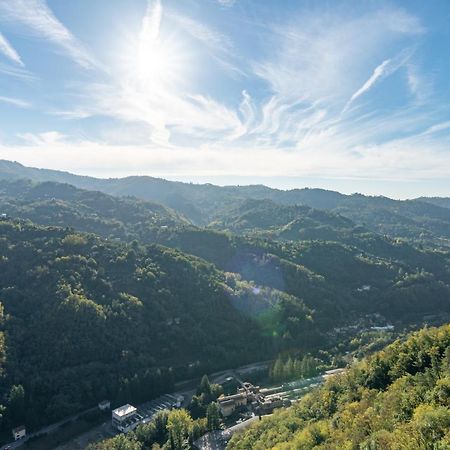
(326, 272)
(84, 319)
(51, 203)
(397, 399)
(417, 220)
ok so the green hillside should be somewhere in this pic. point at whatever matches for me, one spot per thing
(85, 319)
(396, 399)
(324, 264)
(423, 221)
(50, 203)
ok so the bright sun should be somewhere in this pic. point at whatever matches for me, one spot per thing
(158, 62)
(159, 58)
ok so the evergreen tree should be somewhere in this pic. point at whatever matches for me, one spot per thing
(213, 416)
(205, 386)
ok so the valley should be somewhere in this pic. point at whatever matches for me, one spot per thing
(122, 297)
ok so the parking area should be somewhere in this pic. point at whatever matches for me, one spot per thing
(167, 401)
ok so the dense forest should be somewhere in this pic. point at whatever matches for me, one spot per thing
(426, 221)
(397, 399)
(84, 319)
(320, 258)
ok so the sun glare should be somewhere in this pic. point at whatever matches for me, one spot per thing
(153, 60)
(158, 57)
(158, 62)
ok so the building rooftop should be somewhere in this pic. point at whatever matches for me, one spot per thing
(232, 397)
(124, 410)
(227, 403)
(18, 429)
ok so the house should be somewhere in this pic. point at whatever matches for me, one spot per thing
(383, 328)
(267, 405)
(104, 405)
(19, 432)
(228, 404)
(125, 418)
(334, 372)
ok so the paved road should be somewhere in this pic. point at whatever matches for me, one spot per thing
(103, 431)
(216, 377)
(48, 429)
(217, 440)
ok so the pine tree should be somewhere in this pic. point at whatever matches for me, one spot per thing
(213, 416)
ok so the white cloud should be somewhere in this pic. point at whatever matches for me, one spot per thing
(219, 46)
(399, 160)
(287, 120)
(380, 72)
(313, 65)
(151, 88)
(38, 140)
(227, 3)
(15, 102)
(17, 72)
(37, 17)
(8, 50)
(386, 68)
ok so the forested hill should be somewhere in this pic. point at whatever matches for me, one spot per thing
(266, 215)
(422, 220)
(50, 203)
(325, 263)
(144, 296)
(84, 319)
(396, 399)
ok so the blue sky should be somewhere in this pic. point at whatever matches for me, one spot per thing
(351, 96)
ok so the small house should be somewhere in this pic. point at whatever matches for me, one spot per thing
(19, 432)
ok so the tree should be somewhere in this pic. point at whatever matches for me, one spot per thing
(16, 400)
(120, 442)
(213, 416)
(205, 386)
(278, 370)
(196, 408)
(179, 424)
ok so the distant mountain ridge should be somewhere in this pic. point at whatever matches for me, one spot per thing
(424, 220)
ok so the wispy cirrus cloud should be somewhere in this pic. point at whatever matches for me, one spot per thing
(312, 100)
(227, 3)
(37, 18)
(151, 90)
(218, 45)
(15, 102)
(17, 72)
(380, 71)
(8, 50)
(315, 65)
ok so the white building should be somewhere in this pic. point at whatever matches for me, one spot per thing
(125, 418)
(19, 432)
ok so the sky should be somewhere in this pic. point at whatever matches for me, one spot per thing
(346, 95)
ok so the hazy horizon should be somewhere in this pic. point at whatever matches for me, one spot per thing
(369, 187)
